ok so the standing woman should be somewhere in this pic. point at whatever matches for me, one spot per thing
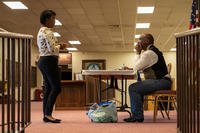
(48, 63)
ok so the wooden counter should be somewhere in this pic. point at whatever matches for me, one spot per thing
(72, 96)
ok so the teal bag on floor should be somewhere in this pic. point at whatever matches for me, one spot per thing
(103, 112)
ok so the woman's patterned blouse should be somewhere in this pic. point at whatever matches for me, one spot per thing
(47, 43)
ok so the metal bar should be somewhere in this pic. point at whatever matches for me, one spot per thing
(188, 96)
(107, 85)
(188, 92)
(190, 80)
(198, 81)
(125, 93)
(13, 85)
(122, 93)
(99, 88)
(23, 84)
(18, 87)
(177, 64)
(8, 85)
(194, 98)
(29, 79)
(3, 85)
(184, 86)
(25, 78)
(16, 63)
(192, 86)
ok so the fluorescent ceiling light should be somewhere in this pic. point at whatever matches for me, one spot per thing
(173, 49)
(15, 5)
(58, 23)
(56, 34)
(142, 25)
(72, 49)
(144, 10)
(74, 42)
(137, 36)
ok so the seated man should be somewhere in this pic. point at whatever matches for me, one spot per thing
(151, 61)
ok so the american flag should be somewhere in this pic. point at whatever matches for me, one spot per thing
(194, 19)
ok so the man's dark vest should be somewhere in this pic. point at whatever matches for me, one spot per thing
(158, 70)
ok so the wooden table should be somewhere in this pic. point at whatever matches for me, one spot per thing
(123, 75)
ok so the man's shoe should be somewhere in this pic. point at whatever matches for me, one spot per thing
(45, 119)
(58, 120)
(132, 119)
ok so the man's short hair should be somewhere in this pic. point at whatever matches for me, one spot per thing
(150, 38)
(46, 14)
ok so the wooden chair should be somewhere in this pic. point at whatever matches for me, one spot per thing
(163, 96)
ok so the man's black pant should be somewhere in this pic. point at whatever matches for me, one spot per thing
(48, 66)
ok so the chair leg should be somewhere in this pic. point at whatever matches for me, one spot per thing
(160, 109)
(155, 109)
(168, 104)
(165, 110)
(174, 102)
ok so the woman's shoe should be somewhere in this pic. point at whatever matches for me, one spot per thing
(45, 119)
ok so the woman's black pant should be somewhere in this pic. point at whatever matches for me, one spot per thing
(48, 66)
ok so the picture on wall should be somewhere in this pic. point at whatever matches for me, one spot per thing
(65, 59)
(97, 64)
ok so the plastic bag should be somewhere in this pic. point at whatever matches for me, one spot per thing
(103, 112)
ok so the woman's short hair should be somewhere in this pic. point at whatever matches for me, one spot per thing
(46, 14)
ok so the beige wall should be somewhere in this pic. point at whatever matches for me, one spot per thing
(116, 60)
(113, 61)
(170, 57)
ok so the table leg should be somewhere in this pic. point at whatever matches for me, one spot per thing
(99, 96)
(123, 103)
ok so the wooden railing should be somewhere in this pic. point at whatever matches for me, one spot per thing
(15, 68)
(188, 81)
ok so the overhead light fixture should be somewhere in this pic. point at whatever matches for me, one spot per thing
(56, 34)
(173, 49)
(15, 4)
(142, 25)
(137, 36)
(58, 23)
(145, 9)
(74, 42)
(72, 49)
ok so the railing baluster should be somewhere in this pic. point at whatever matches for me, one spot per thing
(13, 85)
(19, 84)
(8, 85)
(3, 85)
(15, 65)
(188, 90)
